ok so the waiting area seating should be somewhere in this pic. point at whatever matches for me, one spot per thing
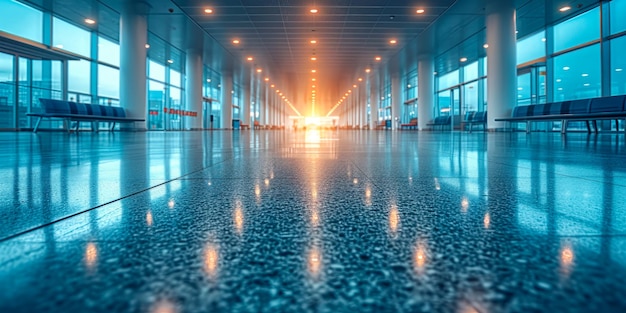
(585, 110)
(476, 118)
(412, 124)
(382, 124)
(441, 122)
(70, 111)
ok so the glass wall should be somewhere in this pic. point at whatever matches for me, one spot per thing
(7, 90)
(21, 20)
(577, 30)
(618, 65)
(574, 79)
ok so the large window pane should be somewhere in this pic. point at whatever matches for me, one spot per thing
(531, 48)
(79, 76)
(618, 66)
(470, 72)
(156, 97)
(156, 71)
(449, 80)
(575, 79)
(577, 30)
(618, 11)
(175, 78)
(21, 20)
(71, 38)
(108, 52)
(108, 82)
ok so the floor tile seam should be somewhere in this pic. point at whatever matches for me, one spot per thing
(16, 235)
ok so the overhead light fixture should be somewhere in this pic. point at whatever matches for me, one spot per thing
(170, 61)
(585, 75)
(313, 71)
(267, 79)
(208, 11)
(272, 86)
(565, 8)
(313, 86)
(393, 41)
(208, 80)
(367, 70)
(463, 60)
(618, 69)
(313, 79)
(147, 46)
(486, 46)
(313, 11)
(313, 59)
(89, 21)
(377, 58)
(250, 58)
(566, 68)
(360, 79)
(258, 70)
(313, 41)
(419, 11)
(236, 41)
(353, 86)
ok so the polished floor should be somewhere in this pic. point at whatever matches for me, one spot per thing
(316, 221)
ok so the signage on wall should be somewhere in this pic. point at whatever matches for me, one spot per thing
(180, 112)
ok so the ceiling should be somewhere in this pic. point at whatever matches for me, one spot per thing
(349, 34)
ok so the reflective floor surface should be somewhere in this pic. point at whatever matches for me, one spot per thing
(316, 221)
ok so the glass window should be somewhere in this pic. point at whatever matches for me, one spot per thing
(618, 66)
(108, 52)
(156, 71)
(175, 78)
(21, 20)
(617, 9)
(575, 79)
(108, 82)
(523, 89)
(449, 80)
(577, 30)
(6, 68)
(531, 48)
(156, 95)
(71, 38)
(470, 72)
(79, 76)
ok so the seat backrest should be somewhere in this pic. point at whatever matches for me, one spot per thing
(607, 104)
(554, 108)
(107, 111)
(522, 111)
(78, 108)
(55, 106)
(469, 116)
(413, 121)
(480, 117)
(575, 106)
(538, 109)
(119, 112)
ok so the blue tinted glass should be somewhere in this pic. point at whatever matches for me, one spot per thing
(156, 71)
(531, 48)
(6, 68)
(470, 72)
(79, 76)
(618, 12)
(577, 74)
(523, 89)
(448, 80)
(175, 78)
(577, 30)
(618, 66)
(108, 82)
(71, 38)
(108, 52)
(21, 20)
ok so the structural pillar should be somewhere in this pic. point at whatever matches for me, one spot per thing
(425, 90)
(374, 89)
(133, 40)
(396, 100)
(501, 61)
(227, 100)
(193, 87)
(247, 98)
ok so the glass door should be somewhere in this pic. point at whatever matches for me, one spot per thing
(456, 109)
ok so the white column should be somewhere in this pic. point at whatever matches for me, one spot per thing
(227, 100)
(133, 39)
(396, 100)
(362, 104)
(425, 90)
(247, 102)
(501, 61)
(193, 87)
(374, 98)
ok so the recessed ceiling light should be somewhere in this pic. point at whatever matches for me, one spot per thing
(486, 46)
(267, 79)
(313, 59)
(587, 84)
(313, 86)
(236, 41)
(565, 8)
(208, 11)
(272, 86)
(559, 80)
(463, 59)
(360, 79)
(377, 58)
(419, 11)
(313, 41)
(89, 21)
(560, 89)
(543, 39)
(313, 79)
(618, 69)
(170, 61)
(566, 68)
(353, 86)
(313, 71)
(584, 75)
(250, 58)
(208, 80)
(147, 46)
(313, 11)
(520, 88)
(258, 70)
(393, 41)
(367, 70)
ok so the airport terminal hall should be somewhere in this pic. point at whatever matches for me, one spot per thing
(331, 156)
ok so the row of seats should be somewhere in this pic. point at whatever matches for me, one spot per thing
(593, 109)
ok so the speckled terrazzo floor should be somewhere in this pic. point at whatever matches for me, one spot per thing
(349, 221)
